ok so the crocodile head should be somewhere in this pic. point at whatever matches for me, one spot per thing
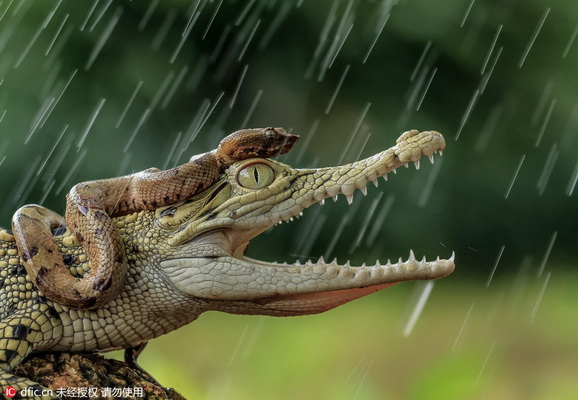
(209, 233)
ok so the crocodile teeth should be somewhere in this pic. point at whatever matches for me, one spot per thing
(322, 201)
(411, 264)
(416, 163)
(411, 256)
(375, 182)
(431, 158)
(364, 190)
(349, 198)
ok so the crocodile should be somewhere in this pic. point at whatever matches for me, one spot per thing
(188, 257)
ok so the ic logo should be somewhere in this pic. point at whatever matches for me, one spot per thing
(10, 391)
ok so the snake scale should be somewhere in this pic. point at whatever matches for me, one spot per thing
(92, 205)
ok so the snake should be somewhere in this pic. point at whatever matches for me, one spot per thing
(91, 206)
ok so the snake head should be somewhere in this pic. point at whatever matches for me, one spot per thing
(253, 143)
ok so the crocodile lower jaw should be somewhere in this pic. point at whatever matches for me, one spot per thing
(218, 275)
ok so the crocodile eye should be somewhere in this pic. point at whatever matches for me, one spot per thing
(256, 176)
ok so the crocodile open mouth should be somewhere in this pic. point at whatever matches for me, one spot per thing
(289, 288)
(297, 288)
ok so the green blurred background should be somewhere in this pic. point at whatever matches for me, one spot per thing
(97, 89)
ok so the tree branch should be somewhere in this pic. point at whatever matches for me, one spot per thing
(72, 375)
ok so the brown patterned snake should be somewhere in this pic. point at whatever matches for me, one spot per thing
(91, 205)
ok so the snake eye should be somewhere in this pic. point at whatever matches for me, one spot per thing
(256, 176)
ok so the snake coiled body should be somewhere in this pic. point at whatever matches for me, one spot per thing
(92, 205)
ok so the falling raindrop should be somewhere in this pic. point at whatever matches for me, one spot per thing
(429, 185)
(342, 33)
(59, 157)
(485, 362)
(519, 290)
(236, 92)
(305, 144)
(185, 35)
(533, 38)
(6, 10)
(164, 30)
(130, 101)
(136, 130)
(570, 43)
(495, 265)
(547, 254)
(491, 50)
(515, 176)
(323, 39)
(176, 85)
(459, 335)
(572, 182)
(427, 85)
(148, 14)
(103, 38)
(249, 39)
(90, 122)
(548, 168)
(353, 135)
(274, 25)
(377, 35)
(99, 16)
(545, 123)
(465, 17)
(545, 97)
(28, 183)
(380, 220)
(539, 299)
(425, 291)
(94, 5)
(56, 35)
(172, 158)
(161, 90)
(466, 115)
(364, 374)
(71, 172)
(366, 222)
(36, 35)
(488, 129)
(212, 19)
(309, 239)
(332, 100)
(252, 108)
(486, 77)
(244, 13)
(41, 116)
(343, 222)
(39, 171)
